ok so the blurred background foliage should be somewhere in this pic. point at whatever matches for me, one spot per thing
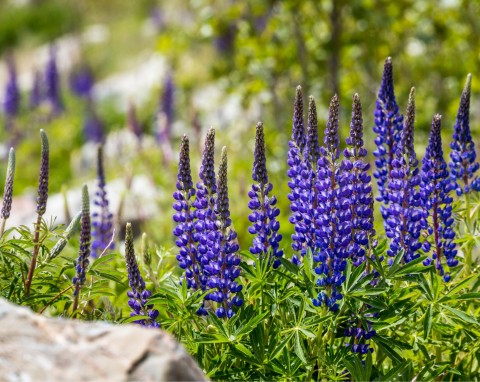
(253, 54)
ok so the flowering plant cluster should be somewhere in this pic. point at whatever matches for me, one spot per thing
(343, 299)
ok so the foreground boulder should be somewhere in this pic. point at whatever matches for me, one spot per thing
(35, 348)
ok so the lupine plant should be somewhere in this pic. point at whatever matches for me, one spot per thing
(102, 218)
(328, 296)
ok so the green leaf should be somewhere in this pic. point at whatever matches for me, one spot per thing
(427, 322)
(465, 317)
(251, 324)
(298, 348)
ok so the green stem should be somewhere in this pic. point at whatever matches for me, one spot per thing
(33, 263)
(468, 248)
(2, 226)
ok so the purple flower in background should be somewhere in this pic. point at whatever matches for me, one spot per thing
(81, 81)
(404, 217)
(36, 92)
(224, 268)
(225, 40)
(436, 187)
(93, 128)
(388, 127)
(206, 229)
(132, 121)
(264, 214)
(463, 165)
(11, 101)
(52, 83)
(333, 228)
(102, 218)
(167, 107)
(184, 217)
(138, 295)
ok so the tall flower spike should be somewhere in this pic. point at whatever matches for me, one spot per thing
(11, 103)
(43, 178)
(388, 127)
(41, 206)
(82, 81)
(206, 229)
(132, 121)
(185, 219)
(298, 186)
(84, 250)
(463, 164)
(138, 295)
(264, 214)
(8, 190)
(102, 217)
(52, 83)
(331, 234)
(404, 217)
(227, 261)
(356, 190)
(436, 187)
(36, 92)
(298, 130)
(312, 148)
(93, 128)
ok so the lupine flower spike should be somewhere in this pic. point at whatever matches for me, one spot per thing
(8, 190)
(52, 83)
(102, 218)
(463, 164)
(84, 251)
(82, 81)
(187, 257)
(11, 103)
(36, 92)
(132, 121)
(165, 118)
(355, 187)
(138, 295)
(264, 214)
(388, 127)
(227, 261)
(436, 187)
(41, 206)
(297, 183)
(405, 218)
(332, 237)
(206, 229)
(93, 128)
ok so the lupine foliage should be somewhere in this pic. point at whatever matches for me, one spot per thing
(325, 306)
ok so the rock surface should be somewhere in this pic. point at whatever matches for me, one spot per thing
(35, 348)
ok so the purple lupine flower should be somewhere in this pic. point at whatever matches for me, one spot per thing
(311, 154)
(358, 336)
(388, 127)
(102, 218)
(93, 128)
(81, 81)
(42, 197)
(8, 190)
(227, 261)
(188, 258)
(11, 101)
(463, 165)
(355, 186)
(167, 109)
(132, 121)
(264, 214)
(84, 250)
(332, 237)
(206, 229)
(52, 83)
(297, 183)
(36, 92)
(405, 218)
(436, 187)
(43, 176)
(138, 295)
(225, 40)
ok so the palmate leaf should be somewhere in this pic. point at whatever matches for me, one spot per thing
(463, 316)
(427, 321)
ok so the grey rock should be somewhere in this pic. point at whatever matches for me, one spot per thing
(36, 348)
